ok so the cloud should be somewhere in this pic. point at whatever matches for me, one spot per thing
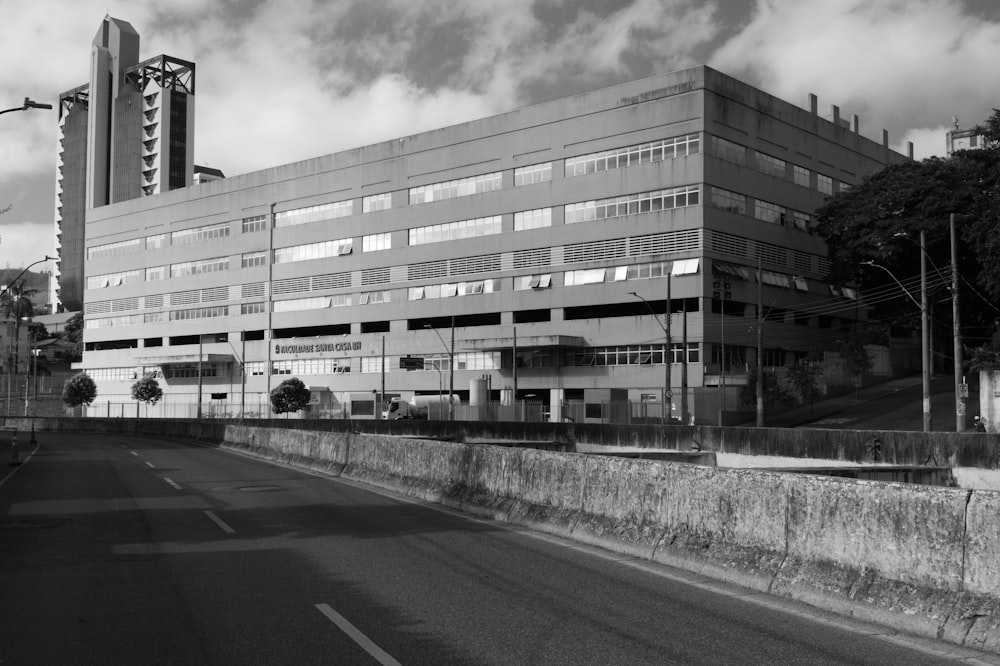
(901, 65)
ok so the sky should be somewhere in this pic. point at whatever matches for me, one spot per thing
(278, 82)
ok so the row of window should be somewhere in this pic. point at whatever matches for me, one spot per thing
(633, 204)
(644, 153)
(437, 233)
(737, 203)
(770, 165)
(631, 272)
(611, 159)
(633, 354)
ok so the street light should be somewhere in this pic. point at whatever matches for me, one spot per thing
(667, 351)
(28, 104)
(925, 370)
(451, 366)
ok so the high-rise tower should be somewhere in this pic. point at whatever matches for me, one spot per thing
(126, 134)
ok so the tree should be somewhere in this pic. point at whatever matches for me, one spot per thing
(146, 389)
(79, 390)
(880, 220)
(73, 335)
(804, 377)
(773, 392)
(857, 360)
(290, 395)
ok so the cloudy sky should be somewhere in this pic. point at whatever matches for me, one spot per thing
(279, 82)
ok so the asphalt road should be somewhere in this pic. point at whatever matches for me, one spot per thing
(126, 550)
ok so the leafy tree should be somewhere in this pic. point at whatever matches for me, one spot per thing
(773, 392)
(38, 330)
(290, 395)
(79, 390)
(73, 334)
(804, 377)
(880, 220)
(857, 361)
(147, 390)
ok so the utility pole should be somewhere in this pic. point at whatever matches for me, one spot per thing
(200, 355)
(957, 332)
(760, 344)
(925, 336)
(451, 374)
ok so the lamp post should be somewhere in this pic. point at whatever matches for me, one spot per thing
(451, 366)
(28, 104)
(925, 370)
(667, 351)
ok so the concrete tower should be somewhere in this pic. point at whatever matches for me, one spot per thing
(126, 134)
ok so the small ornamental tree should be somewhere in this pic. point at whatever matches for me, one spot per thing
(147, 390)
(290, 395)
(79, 390)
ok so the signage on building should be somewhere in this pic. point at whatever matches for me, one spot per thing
(341, 346)
(411, 363)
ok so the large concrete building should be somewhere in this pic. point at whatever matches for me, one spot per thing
(126, 134)
(531, 255)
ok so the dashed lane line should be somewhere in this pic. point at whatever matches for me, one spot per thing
(380, 655)
(173, 484)
(220, 522)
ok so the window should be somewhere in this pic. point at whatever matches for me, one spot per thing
(376, 242)
(772, 166)
(644, 153)
(199, 313)
(254, 224)
(529, 175)
(802, 221)
(769, 212)
(114, 279)
(376, 202)
(156, 273)
(252, 308)
(646, 202)
(524, 282)
(456, 188)
(156, 242)
(482, 226)
(330, 211)
(199, 267)
(824, 184)
(373, 364)
(199, 234)
(116, 249)
(533, 219)
(251, 259)
(800, 175)
(727, 150)
(730, 201)
(309, 251)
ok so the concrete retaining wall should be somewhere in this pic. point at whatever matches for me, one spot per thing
(921, 559)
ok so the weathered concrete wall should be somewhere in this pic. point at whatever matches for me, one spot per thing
(967, 450)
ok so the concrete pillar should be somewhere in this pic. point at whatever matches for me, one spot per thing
(556, 398)
(813, 104)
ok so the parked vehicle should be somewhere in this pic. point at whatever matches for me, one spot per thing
(418, 407)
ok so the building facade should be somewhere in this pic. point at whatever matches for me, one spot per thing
(630, 243)
(126, 134)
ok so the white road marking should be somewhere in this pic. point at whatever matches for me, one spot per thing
(172, 483)
(380, 655)
(11, 472)
(150, 465)
(220, 522)
(133, 453)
